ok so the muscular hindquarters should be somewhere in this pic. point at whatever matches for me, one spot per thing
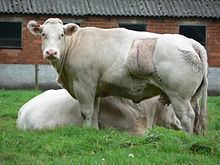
(177, 66)
(178, 73)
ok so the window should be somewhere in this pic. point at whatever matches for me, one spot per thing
(76, 21)
(136, 27)
(71, 22)
(197, 33)
(10, 34)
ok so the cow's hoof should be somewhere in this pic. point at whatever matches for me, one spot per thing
(90, 124)
(87, 123)
(95, 125)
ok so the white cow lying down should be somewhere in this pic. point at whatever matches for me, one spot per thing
(57, 108)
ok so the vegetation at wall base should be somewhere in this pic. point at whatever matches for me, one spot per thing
(77, 145)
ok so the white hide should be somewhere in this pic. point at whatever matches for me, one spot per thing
(48, 110)
(94, 62)
(55, 108)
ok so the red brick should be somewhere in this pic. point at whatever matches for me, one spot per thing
(31, 50)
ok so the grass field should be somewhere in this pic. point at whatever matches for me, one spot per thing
(74, 145)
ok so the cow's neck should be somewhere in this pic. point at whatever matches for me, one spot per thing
(62, 78)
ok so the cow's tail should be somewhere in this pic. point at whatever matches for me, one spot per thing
(200, 121)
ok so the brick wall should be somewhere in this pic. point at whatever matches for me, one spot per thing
(171, 25)
(213, 43)
(30, 53)
(31, 45)
(101, 22)
(163, 25)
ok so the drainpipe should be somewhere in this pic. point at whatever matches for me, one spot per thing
(36, 76)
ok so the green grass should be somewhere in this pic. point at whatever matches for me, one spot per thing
(75, 145)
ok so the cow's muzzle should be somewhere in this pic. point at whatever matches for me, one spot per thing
(50, 53)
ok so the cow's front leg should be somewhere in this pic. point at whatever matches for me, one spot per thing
(86, 96)
(95, 118)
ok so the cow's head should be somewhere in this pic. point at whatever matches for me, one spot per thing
(53, 34)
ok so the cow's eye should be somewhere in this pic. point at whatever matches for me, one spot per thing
(61, 36)
(43, 34)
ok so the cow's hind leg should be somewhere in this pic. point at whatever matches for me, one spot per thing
(184, 111)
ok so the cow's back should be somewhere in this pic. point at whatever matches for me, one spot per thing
(104, 47)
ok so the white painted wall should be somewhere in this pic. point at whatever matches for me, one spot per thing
(22, 76)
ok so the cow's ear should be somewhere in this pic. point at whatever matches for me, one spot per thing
(34, 27)
(70, 28)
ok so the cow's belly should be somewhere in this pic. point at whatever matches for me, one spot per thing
(134, 89)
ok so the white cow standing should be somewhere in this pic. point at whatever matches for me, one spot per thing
(94, 62)
(55, 108)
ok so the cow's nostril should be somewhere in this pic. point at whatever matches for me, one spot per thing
(51, 52)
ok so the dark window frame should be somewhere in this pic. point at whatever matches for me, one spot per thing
(204, 42)
(123, 25)
(70, 20)
(77, 23)
(19, 38)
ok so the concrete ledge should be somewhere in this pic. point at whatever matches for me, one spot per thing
(214, 81)
(27, 76)
(17, 76)
(22, 76)
(46, 77)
